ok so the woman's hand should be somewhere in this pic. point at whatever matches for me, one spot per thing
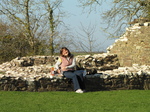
(59, 71)
(64, 68)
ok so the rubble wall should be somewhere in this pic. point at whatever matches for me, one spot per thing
(33, 74)
(120, 82)
(134, 46)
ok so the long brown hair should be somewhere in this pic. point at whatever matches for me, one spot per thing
(65, 48)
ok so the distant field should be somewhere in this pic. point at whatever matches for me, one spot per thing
(102, 101)
(83, 53)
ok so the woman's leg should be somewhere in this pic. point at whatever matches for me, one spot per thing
(73, 76)
(79, 74)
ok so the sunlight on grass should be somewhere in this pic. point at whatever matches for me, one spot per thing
(102, 101)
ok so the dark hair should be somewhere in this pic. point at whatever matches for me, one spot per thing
(69, 53)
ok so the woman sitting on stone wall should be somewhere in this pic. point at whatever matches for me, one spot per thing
(66, 65)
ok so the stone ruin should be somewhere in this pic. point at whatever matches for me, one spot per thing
(133, 46)
(113, 70)
(103, 73)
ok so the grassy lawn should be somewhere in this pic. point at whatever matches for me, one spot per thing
(102, 101)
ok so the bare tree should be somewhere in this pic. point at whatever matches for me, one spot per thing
(121, 12)
(22, 14)
(51, 9)
(85, 40)
(35, 19)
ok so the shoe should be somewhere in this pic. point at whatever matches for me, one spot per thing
(79, 91)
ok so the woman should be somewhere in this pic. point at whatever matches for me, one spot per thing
(66, 65)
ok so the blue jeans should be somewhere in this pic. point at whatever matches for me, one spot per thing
(77, 78)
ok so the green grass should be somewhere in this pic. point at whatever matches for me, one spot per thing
(102, 101)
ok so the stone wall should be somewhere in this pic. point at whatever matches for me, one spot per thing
(92, 83)
(36, 65)
(104, 73)
(97, 62)
(134, 46)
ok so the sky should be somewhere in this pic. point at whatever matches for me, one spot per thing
(77, 17)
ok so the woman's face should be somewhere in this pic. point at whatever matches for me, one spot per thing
(65, 52)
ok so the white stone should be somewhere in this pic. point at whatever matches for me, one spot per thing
(146, 24)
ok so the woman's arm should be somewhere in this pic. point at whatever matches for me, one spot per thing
(57, 64)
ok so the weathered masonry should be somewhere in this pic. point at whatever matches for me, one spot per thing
(134, 46)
